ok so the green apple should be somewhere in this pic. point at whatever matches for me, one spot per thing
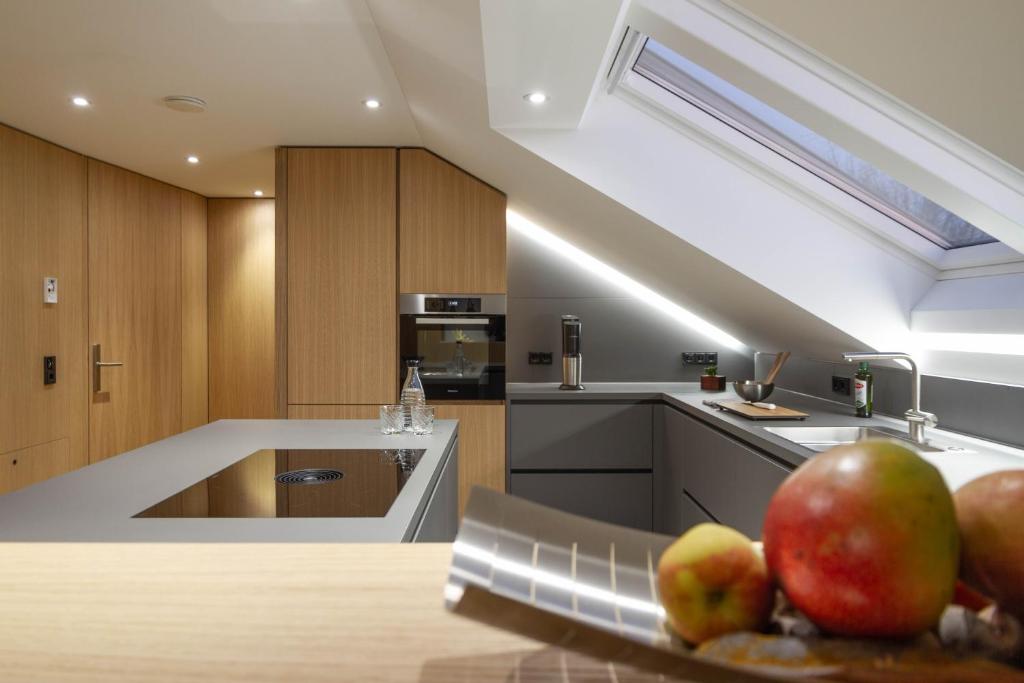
(713, 581)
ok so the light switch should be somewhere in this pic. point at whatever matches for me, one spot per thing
(49, 290)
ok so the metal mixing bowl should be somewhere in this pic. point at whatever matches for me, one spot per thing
(753, 391)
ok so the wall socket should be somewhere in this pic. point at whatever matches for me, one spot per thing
(700, 358)
(539, 357)
(841, 385)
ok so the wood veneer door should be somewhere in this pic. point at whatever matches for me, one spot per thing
(134, 309)
(481, 445)
(452, 228)
(342, 280)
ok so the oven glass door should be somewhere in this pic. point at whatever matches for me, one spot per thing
(462, 357)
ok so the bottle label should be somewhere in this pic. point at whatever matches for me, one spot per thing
(860, 393)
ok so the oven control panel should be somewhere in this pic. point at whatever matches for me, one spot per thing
(451, 304)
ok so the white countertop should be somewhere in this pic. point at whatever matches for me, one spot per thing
(97, 503)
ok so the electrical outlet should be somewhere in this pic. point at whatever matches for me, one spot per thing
(700, 358)
(49, 369)
(712, 358)
(539, 357)
(687, 358)
(841, 385)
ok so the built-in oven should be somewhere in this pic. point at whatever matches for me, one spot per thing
(459, 340)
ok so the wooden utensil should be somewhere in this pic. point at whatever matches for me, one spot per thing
(780, 360)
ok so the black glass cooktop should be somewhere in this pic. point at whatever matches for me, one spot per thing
(297, 483)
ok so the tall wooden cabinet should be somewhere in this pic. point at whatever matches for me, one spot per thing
(341, 276)
(354, 228)
(451, 229)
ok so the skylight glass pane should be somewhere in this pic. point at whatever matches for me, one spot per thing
(798, 143)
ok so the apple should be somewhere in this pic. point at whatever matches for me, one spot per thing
(863, 540)
(713, 581)
(990, 511)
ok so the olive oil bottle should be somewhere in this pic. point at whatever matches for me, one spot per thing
(863, 390)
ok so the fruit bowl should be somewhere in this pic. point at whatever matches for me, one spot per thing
(591, 588)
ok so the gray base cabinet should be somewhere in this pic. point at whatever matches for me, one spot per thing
(440, 520)
(590, 459)
(622, 498)
(704, 475)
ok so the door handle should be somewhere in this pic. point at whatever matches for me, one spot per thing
(97, 365)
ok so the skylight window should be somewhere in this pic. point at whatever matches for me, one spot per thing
(822, 157)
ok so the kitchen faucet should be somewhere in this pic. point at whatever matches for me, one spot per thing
(917, 419)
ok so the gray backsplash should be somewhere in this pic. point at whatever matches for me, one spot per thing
(624, 339)
(991, 411)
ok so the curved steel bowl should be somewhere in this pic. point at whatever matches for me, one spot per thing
(753, 391)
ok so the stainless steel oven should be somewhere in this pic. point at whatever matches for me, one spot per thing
(459, 340)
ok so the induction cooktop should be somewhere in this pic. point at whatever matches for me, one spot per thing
(297, 483)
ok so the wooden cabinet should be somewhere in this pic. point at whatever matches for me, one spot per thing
(451, 228)
(481, 445)
(341, 276)
(241, 284)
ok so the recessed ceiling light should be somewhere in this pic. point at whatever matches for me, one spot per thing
(535, 97)
(257, 193)
(372, 104)
(79, 101)
(192, 159)
(185, 103)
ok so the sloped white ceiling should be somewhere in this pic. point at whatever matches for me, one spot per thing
(437, 54)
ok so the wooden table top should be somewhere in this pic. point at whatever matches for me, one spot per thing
(239, 612)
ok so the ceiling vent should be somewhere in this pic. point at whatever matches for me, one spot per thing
(185, 103)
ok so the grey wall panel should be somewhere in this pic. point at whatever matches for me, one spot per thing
(580, 436)
(619, 498)
(991, 411)
(624, 339)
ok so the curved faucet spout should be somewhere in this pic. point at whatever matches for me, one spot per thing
(917, 419)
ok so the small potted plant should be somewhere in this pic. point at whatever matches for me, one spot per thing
(710, 381)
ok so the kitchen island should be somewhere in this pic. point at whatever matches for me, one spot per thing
(161, 481)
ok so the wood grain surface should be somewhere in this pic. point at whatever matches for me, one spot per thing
(341, 289)
(134, 308)
(451, 228)
(481, 445)
(239, 612)
(42, 233)
(194, 352)
(241, 267)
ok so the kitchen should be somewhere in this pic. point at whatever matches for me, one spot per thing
(237, 272)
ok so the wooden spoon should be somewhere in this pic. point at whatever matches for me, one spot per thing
(780, 360)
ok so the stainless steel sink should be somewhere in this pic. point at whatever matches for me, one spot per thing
(823, 438)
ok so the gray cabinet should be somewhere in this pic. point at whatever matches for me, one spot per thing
(590, 459)
(670, 511)
(440, 520)
(732, 482)
(622, 498)
(580, 436)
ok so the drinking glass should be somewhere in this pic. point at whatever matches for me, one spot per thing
(422, 419)
(392, 419)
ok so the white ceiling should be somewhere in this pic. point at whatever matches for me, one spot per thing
(273, 72)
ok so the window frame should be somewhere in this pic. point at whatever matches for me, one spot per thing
(688, 114)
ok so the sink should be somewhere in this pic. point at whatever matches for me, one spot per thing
(823, 438)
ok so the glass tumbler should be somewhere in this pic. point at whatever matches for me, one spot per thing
(392, 419)
(422, 419)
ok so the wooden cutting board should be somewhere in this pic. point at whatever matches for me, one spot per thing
(754, 413)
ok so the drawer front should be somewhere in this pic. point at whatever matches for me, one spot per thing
(619, 498)
(581, 437)
(732, 482)
(690, 514)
